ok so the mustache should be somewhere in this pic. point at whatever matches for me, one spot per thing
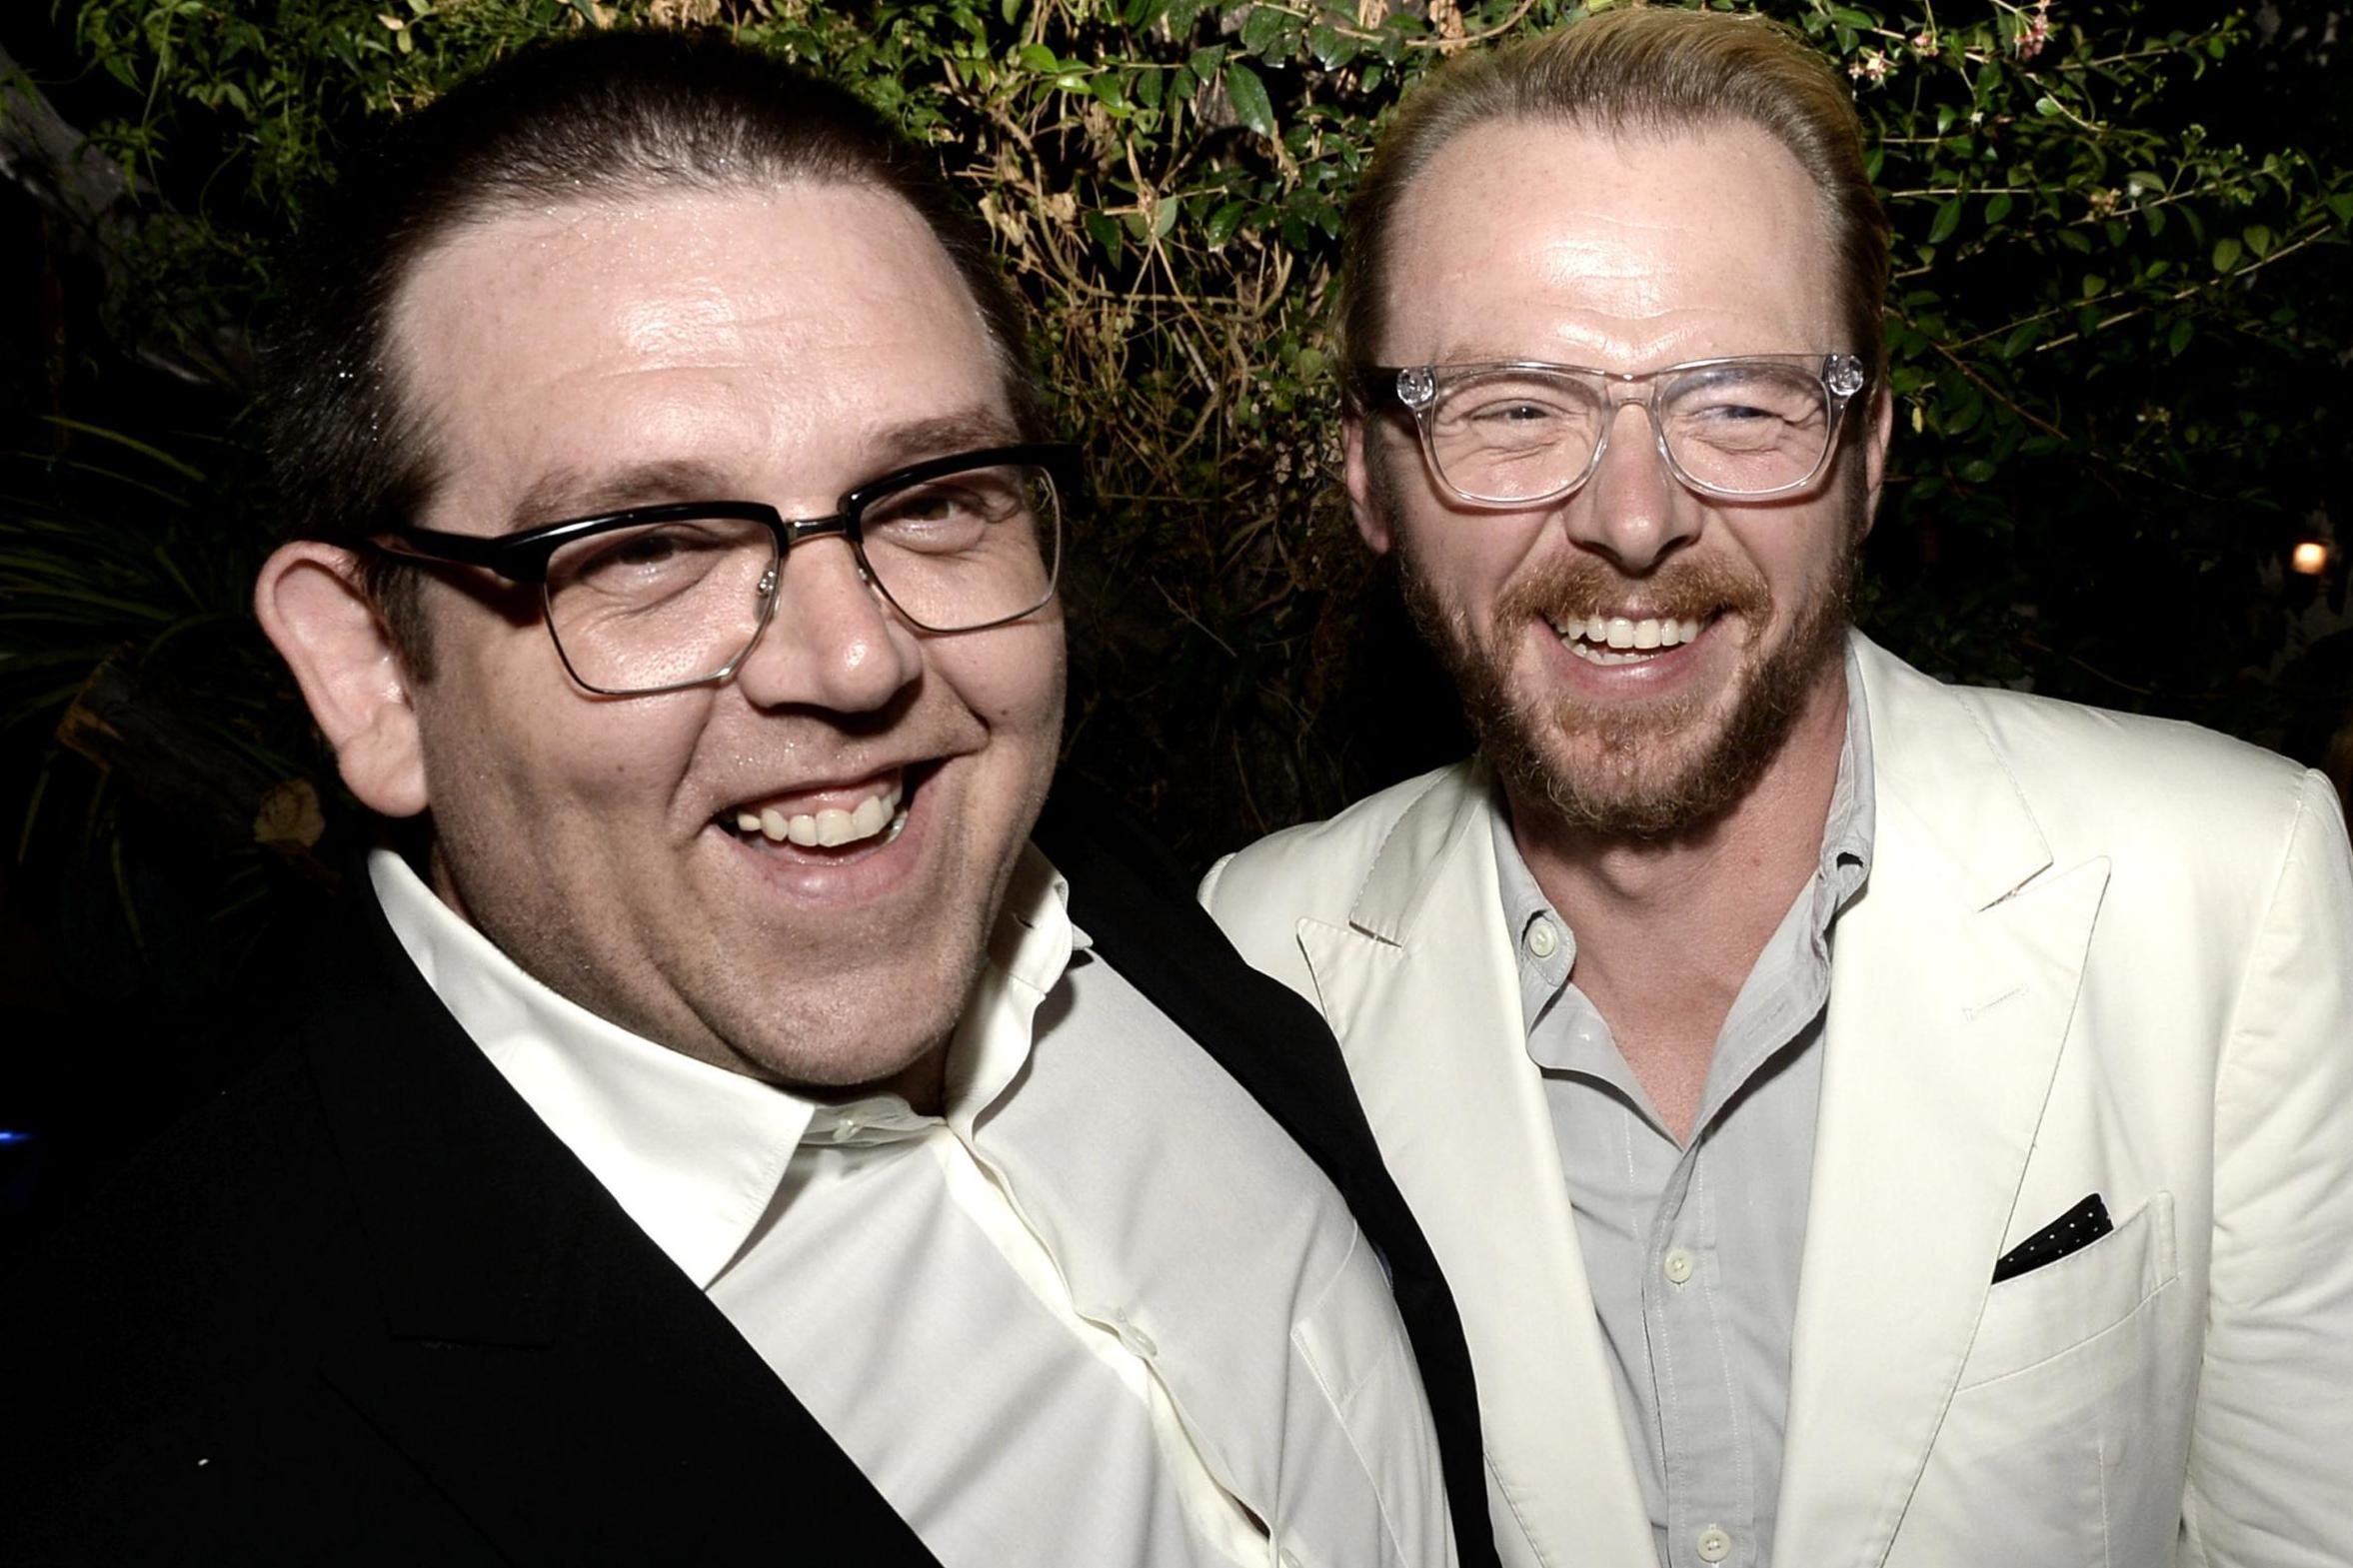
(1690, 589)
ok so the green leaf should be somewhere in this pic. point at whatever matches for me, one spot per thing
(1978, 471)
(1166, 215)
(1997, 209)
(2094, 285)
(1266, 30)
(1105, 231)
(1948, 218)
(1224, 221)
(1249, 97)
(1204, 61)
(2047, 106)
(2226, 254)
(2179, 338)
(2021, 339)
(2258, 240)
(1037, 57)
(1332, 47)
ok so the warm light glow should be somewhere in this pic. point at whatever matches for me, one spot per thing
(2310, 558)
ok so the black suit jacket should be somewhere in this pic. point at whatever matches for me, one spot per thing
(366, 1308)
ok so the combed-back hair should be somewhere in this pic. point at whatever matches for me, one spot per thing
(597, 118)
(1640, 70)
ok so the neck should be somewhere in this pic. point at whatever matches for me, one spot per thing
(1667, 930)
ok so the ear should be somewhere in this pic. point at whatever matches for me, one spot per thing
(1356, 472)
(1876, 454)
(326, 630)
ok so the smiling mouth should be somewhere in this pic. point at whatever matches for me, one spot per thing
(1600, 638)
(865, 817)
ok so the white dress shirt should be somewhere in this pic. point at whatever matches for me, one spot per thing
(1101, 1311)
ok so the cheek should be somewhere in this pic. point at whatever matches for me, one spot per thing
(1011, 679)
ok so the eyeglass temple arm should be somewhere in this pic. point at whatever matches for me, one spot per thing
(496, 556)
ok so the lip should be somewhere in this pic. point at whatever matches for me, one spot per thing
(874, 869)
(808, 799)
(1661, 671)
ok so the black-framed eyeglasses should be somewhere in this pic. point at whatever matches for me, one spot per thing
(1523, 432)
(661, 598)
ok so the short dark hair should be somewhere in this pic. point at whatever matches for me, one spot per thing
(1640, 69)
(595, 117)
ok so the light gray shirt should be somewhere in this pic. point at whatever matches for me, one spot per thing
(1694, 1250)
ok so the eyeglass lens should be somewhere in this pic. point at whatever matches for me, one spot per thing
(1516, 433)
(670, 603)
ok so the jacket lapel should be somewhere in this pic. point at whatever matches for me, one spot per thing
(537, 1359)
(1955, 978)
(1130, 901)
(1420, 990)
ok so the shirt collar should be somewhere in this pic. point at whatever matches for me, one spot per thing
(694, 1152)
(1848, 837)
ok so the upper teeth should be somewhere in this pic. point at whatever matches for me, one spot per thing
(828, 827)
(1620, 632)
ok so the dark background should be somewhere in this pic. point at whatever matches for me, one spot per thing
(2108, 520)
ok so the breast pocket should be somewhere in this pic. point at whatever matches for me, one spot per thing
(2050, 1310)
(2065, 1441)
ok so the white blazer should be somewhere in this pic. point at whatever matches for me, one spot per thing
(2096, 953)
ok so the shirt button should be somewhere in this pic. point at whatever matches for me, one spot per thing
(1677, 1269)
(1135, 1339)
(1542, 938)
(1714, 1545)
(847, 1129)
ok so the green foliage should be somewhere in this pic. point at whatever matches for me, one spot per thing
(2117, 346)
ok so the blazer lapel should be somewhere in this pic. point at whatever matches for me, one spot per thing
(537, 1359)
(1419, 987)
(1955, 978)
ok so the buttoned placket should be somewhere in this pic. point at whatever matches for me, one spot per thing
(1654, 1205)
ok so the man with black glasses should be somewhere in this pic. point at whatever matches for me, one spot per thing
(1863, 1122)
(722, 1135)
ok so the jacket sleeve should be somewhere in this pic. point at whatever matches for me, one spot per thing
(2271, 1450)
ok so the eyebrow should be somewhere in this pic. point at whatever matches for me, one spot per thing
(567, 491)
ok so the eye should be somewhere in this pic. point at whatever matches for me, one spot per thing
(648, 559)
(949, 514)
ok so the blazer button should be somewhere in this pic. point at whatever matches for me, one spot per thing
(1714, 1545)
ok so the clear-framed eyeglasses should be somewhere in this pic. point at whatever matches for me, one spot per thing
(1524, 431)
(661, 598)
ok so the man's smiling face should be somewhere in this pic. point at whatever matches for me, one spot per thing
(1525, 241)
(779, 346)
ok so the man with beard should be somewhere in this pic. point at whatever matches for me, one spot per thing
(1863, 1120)
(720, 1134)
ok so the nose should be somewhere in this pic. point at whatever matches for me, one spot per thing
(831, 641)
(1632, 509)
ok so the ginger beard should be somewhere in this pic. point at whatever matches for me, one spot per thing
(1645, 770)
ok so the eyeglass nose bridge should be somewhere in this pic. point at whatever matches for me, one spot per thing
(1616, 403)
(788, 533)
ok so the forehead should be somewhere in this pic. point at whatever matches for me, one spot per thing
(1523, 239)
(757, 333)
